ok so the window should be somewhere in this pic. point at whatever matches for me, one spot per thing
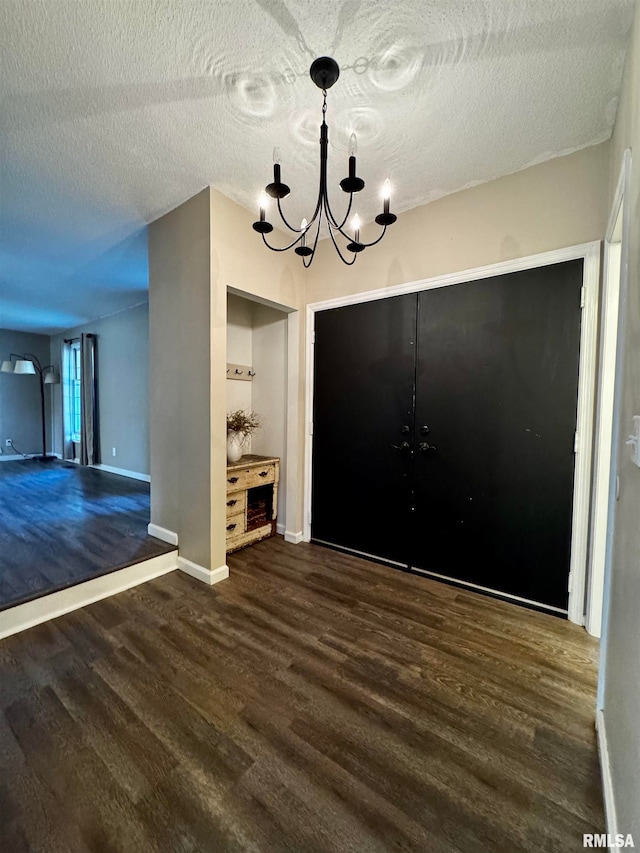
(75, 392)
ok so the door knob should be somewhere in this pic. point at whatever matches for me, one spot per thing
(424, 430)
(404, 445)
(405, 430)
(424, 447)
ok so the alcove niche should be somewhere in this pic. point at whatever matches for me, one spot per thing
(257, 338)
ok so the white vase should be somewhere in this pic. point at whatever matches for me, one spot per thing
(234, 446)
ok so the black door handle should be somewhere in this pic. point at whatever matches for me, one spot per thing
(404, 445)
(424, 430)
(405, 430)
(424, 447)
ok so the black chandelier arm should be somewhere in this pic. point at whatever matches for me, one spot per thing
(362, 243)
(276, 249)
(373, 243)
(337, 248)
(340, 229)
(332, 217)
(306, 263)
(299, 230)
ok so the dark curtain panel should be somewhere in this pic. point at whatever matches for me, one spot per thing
(89, 453)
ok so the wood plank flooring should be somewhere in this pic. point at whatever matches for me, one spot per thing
(312, 702)
(61, 524)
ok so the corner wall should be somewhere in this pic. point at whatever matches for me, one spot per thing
(180, 376)
(622, 673)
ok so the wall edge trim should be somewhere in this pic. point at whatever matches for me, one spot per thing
(122, 472)
(607, 780)
(48, 607)
(208, 576)
(162, 533)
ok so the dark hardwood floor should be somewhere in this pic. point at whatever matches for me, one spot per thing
(312, 702)
(61, 524)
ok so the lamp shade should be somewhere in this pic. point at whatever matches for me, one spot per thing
(7, 367)
(24, 366)
(52, 377)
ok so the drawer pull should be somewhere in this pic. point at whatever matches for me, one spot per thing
(231, 526)
(231, 503)
(263, 473)
(232, 480)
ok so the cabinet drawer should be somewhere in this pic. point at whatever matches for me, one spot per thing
(247, 478)
(236, 503)
(235, 525)
(235, 542)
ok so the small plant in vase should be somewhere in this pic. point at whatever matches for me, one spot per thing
(240, 425)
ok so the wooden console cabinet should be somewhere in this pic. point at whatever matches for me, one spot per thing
(252, 500)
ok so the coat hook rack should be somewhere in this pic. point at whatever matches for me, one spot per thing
(242, 372)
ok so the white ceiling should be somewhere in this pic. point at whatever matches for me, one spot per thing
(116, 111)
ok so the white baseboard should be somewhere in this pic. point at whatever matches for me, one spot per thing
(47, 607)
(605, 772)
(280, 528)
(208, 576)
(294, 538)
(16, 457)
(133, 475)
(162, 533)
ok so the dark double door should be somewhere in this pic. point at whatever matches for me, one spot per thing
(443, 430)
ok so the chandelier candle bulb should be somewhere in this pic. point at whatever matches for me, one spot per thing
(353, 150)
(386, 195)
(303, 228)
(276, 165)
(263, 205)
(356, 228)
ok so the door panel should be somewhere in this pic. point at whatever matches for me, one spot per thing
(363, 396)
(497, 385)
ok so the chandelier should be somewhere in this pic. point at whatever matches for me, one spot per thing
(324, 73)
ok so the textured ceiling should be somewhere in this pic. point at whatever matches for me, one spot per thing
(115, 111)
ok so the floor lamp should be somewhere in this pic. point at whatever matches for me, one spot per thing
(29, 364)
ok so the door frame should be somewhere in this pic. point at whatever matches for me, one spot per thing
(614, 288)
(589, 253)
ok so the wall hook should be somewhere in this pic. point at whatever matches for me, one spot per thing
(252, 373)
(239, 372)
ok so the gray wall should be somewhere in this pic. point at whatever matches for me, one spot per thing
(622, 654)
(181, 330)
(123, 387)
(20, 412)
